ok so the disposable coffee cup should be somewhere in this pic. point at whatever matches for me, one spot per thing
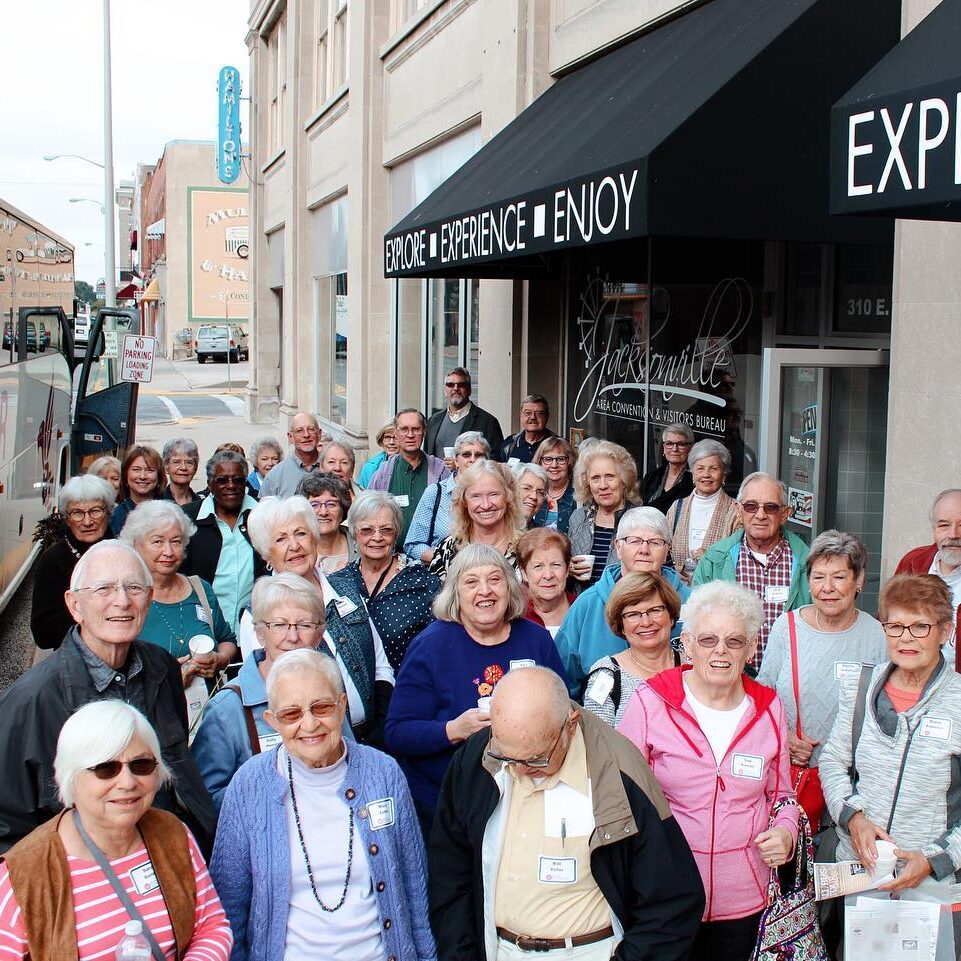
(449, 452)
(201, 644)
(590, 558)
(484, 704)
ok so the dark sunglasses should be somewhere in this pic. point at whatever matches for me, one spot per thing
(222, 481)
(752, 507)
(139, 767)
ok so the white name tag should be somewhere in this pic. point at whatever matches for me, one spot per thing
(267, 741)
(776, 595)
(381, 813)
(556, 870)
(936, 727)
(522, 662)
(144, 878)
(402, 500)
(600, 687)
(844, 669)
(513, 462)
(747, 765)
(345, 606)
(202, 615)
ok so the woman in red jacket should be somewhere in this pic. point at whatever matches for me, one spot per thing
(717, 743)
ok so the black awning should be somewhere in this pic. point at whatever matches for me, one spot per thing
(716, 124)
(896, 134)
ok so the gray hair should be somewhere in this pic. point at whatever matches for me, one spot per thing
(286, 588)
(152, 516)
(97, 732)
(947, 492)
(180, 445)
(411, 410)
(102, 463)
(369, 503)
(647, 518)
(299, 663)
(86, 487)
(472, 437)
(760, 475)
(78, 577)
(710, 448)
(226, 457)
(346, 448)
(272, 511)
(835, 543)
(265, 442)
(446, 606)
(521, 469)
(678, 428)
(728, 598)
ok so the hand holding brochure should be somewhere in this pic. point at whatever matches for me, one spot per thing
(850, 877)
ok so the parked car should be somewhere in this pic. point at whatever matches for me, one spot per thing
(10, 339)
(214, 341)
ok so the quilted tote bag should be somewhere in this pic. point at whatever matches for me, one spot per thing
(789, 928)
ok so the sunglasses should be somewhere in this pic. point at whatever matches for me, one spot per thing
(710, 641)
(752, 507)
(292, 715)
(139, 767)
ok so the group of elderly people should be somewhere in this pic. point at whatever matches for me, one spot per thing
(355, 652)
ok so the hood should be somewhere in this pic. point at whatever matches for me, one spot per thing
(669, 687)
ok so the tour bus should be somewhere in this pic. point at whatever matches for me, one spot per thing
(58, 411)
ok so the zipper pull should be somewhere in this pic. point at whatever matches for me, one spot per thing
(720, 780)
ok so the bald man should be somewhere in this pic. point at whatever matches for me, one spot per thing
(306, 439)
(553, 836)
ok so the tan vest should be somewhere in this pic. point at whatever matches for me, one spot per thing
(40, 877)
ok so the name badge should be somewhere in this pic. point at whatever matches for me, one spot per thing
(202, 615)
(267, 741)
(776, 595)
(402, 500)
(845, 669)
(747, 765)
(381, 813)
(557, 870)
(936, 727)
(522, 662)
(513, 462)
(345, 606)
(600, 687)
(144, 878)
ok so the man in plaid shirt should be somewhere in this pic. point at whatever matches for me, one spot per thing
(763, 556)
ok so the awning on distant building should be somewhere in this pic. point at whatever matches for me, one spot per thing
(151, 291)
(896, 134)
(156, 230)
(128, 292)
(715, 124)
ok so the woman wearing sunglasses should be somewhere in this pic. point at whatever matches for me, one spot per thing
(318, 851)
(109, 858)
(717, 742)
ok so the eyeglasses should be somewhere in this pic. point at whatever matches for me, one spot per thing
(95, 514)
(768, 507)
(554, 459)
(228, 481)
(103, 591)
(282, 627)
(325, 505)
(539, 762)
(632, 541)
(455, 384)
(386, 532)
(632, 617)
(305, 431)
(291, 715)
(919, 631)
(181, 462)
(676, 444)
(710, 641)
(138, 767)
(411, 430)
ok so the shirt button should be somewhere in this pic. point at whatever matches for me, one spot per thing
(362, 812)
(380, 886)
(373, 849)
(118, 678)
(387, 924)
(607, 837)
(350, 794)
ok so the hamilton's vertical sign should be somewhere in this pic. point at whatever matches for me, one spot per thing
(228, 126)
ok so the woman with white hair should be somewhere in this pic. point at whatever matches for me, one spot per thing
(318, 853)
(717, 741)
(82, 520)
(451, 669)
(339, 459)
(184, 617)
(707, 515)
(531, 480)
(265, 454)
(181, 459)
(286, 534)
(74, 885)
(641, 546)
(398, 593)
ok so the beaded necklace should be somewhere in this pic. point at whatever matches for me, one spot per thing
(158, 607)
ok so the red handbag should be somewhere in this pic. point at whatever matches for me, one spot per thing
(806, 780)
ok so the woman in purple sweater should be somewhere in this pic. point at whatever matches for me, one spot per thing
(443, 690)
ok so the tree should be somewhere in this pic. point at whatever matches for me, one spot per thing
(83, 291)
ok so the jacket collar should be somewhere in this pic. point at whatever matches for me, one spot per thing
(669, 687)
(207, 507)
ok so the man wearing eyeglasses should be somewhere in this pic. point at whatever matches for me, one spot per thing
(110, 592)
(460, 416)
(306, 438)
(552, 836)
(763, 556)
(535, 412)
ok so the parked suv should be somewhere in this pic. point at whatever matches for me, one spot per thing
(214, 341)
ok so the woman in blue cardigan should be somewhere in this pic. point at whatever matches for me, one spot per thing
(318, 850)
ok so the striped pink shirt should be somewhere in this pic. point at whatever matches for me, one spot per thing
(101, 917)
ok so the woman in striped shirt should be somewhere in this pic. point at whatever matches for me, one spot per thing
(60, 887)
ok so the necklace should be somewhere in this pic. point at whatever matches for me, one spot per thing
(158, 607)
(825, 630)
(303, 847)
(638, 664)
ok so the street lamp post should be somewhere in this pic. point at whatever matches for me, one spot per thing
(109, 254)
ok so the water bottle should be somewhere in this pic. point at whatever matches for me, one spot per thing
(133, 946)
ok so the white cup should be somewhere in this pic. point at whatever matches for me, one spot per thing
(484, 704)
(589, 558)
(201, 644)
(449, 452)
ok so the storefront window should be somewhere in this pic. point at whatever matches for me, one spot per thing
(864, 290)
(444, 337)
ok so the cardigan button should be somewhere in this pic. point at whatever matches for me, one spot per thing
(373, 849)
(380, 887)
(393, 957)
(607, 837)
(387, 924)
(350, 794)
(362, 813)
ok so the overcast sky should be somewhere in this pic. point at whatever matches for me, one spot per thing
(166, 56)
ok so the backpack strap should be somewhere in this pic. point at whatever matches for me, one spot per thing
(248, 718)
(433, 515)
(857, 722)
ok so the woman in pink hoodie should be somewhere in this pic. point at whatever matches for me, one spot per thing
(717, 743)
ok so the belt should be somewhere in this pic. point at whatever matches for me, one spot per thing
(526, 943)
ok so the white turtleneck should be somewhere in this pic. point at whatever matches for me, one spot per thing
(702, 510)
(351, 933)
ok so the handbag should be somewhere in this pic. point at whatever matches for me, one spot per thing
(789, 929)
(806, 780)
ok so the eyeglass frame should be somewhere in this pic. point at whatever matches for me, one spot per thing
(113, 589)
(909, 628)
(653, 542)
(298, 626)
(534, 763)
(769, 507)
(73, 512)
(739, 643)
(108, 770)
(332, 705)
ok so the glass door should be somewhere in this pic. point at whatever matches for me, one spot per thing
(823, 433)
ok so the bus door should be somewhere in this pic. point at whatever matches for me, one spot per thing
(105, 408)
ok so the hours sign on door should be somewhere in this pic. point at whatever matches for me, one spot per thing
(136, 359)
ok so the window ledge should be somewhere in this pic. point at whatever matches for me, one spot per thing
(273, 159)
(339, 94)
(409, 27)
